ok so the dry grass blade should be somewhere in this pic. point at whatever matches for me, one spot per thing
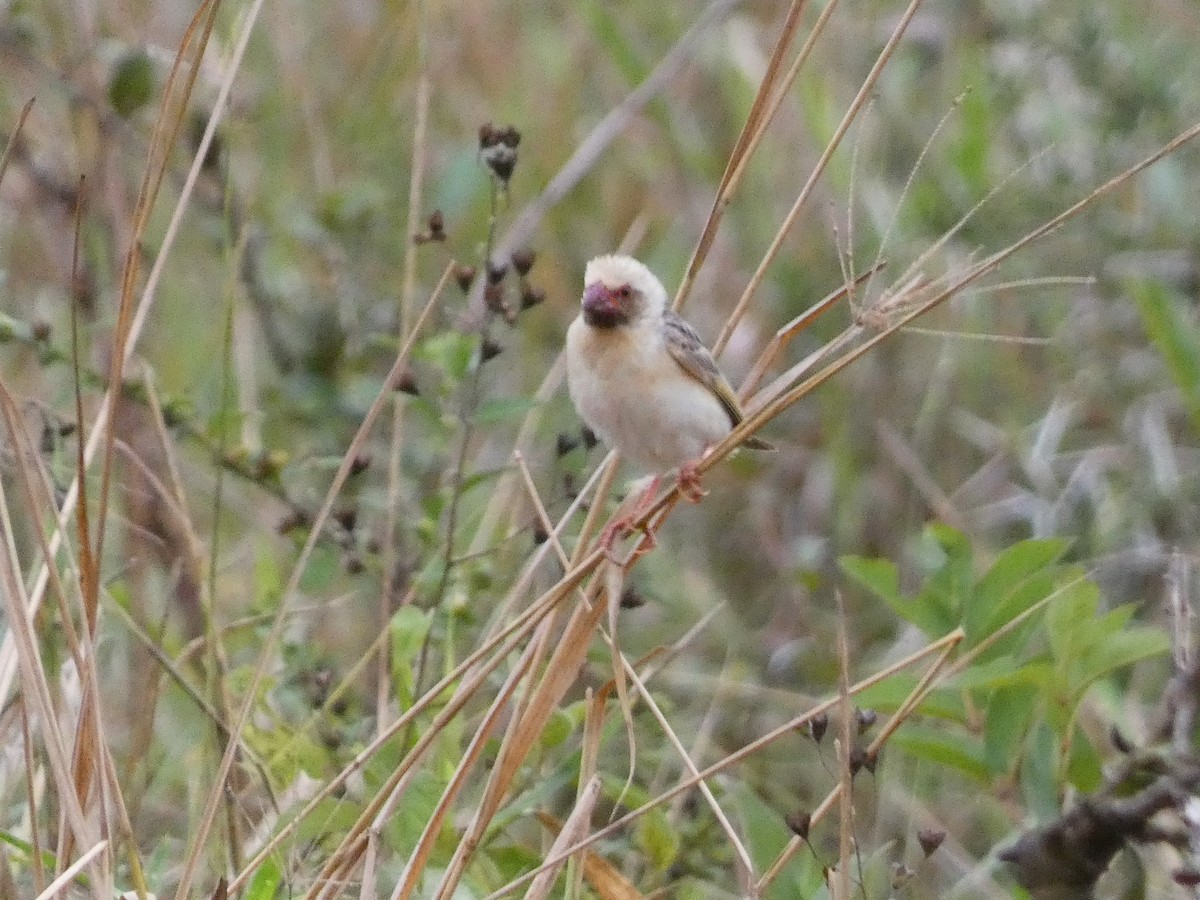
(786, 334)
(840, 793)
(271, 641)
(841, 887)
(607, 130)
(756, 124)
(561, 672)
(940, 646)
(69, 873)
(33, 673)
(835, 141)
(415, 866)
(568, 833)
(14, 137)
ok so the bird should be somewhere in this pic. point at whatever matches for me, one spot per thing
(641, 378)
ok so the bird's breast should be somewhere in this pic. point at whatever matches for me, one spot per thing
(632, 393)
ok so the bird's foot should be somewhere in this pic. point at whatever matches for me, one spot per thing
(689, 483)
(623, 525)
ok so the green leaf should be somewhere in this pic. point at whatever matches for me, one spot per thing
(886, 697)
(409, 627)
(1039, 772)
(450, 351)
(1009, 711)
(945, 748)
(1173, 332)
(132, 83)
(657, 839)
(880, 577)
(877, 575)
(1011, 585)
(1120, 650)
(265, 883)
(1067, 617)
(503, 408)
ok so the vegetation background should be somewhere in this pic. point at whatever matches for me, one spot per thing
(1046, 418)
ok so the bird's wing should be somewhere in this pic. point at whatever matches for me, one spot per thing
(693, 357)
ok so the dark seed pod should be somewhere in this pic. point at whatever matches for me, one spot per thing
(41, 330)
(799, 822)
(488, 136)
(361, 463)
(930, 839)
(346, 517)
(564, 444)
(465, 277)
(631, 598)
(588, 437)
(406, 383)
(523, 260)
(532, 296)
(437, 226)
(540, 536)
(817, 726)
(864, 719)
(352, 563)
(496, 271)
(489, 349)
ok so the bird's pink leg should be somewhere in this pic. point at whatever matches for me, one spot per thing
(689, 482)
(622, 524)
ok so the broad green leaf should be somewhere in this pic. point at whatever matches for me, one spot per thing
(880, 577)
(944, 748)
(1066, 617)
(1021, 576)
(657, 839)
(877, 575)
(503, 408)
(1039, 771)
(886, 697)
(132, 83)
(1172, 329)
(1120, 650)
(265, 883)
(1009, 711)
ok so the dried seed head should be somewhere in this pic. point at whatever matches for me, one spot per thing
(489, 349)
(437, 226)
(864, 719)
(523, 260)
(564, 444)
(346, 517)
(496, 271)
(631, 598)
(901, 875)
(465, 276)
(800, 822)
(488, 136)
(493, 299)
(41, 330)
(930, 839)
(1122, 743)
(1186, 876)
(532, 296)
(406, 383)
(295, 519)
(352, 563)
(588, 437)
(540, 534)
(510, 137)
(858, 759)
(817, 726)
(361, 463)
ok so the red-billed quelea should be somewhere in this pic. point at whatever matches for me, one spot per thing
(644, 382)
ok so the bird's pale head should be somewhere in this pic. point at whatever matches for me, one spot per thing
(619, 290)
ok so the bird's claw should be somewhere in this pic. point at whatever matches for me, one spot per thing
(689, 483)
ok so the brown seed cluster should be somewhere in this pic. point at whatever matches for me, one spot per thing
(498, 147)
